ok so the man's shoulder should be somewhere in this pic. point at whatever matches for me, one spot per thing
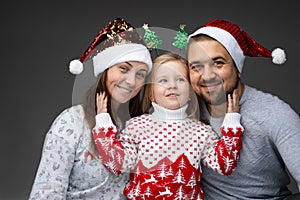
(259, 96)
(267, 104)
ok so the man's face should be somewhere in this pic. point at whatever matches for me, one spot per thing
(212, 71)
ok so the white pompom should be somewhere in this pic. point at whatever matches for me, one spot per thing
(75, 67)
(279, 56)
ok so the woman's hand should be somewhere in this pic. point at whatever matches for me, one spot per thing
(101, 103)
(233, 102)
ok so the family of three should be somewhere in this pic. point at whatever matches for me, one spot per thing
(139, 134)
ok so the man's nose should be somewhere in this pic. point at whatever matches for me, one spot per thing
(208, 72)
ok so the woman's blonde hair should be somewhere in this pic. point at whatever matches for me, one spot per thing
(193, 108)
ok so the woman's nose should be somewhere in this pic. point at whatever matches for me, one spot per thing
(130, 78)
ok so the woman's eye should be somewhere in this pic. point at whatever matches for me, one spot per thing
(140, 75)
(123, 68)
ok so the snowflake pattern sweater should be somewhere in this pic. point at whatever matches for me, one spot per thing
(163, 151)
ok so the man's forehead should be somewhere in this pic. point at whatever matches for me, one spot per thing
(198, 56)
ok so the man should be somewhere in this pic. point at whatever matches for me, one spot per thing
(271, 141)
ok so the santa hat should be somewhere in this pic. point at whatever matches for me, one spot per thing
(238, 43)
(117, 42)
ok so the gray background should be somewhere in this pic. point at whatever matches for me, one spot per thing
(39, 38)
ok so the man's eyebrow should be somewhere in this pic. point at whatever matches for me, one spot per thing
(194, 62)
(218, 57)
(212, 59)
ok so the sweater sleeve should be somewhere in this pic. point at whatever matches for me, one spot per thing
(52, 177)
(113, 152)
(222, 154)
(284, 129)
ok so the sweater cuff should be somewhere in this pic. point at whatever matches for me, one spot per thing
(231, 125)
(103, 120)
(231, 119)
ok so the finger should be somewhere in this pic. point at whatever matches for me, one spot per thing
(105, 101)
(100, 101)
(235, 99)
(97, 98)
(229, 106)
(101, 95)
(97, 103)
(105, 104)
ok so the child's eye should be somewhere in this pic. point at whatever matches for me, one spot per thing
(163, 81)
(180, 79)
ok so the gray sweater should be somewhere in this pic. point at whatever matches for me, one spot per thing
(271, 142)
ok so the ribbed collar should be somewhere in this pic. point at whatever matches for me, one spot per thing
(167, 114)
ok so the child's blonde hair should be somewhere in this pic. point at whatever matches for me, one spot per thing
(193, 108)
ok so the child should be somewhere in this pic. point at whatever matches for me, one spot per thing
(163, 150)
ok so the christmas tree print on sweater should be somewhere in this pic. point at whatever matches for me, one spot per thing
(164, 156)
(166, 180)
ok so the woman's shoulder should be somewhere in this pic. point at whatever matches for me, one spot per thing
(71, 112)
(75, 110)
(68, 121)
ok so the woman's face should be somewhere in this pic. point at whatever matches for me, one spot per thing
(124, 80)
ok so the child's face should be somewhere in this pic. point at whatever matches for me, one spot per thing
(171, 86)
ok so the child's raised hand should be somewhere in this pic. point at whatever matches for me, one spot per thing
(101, 100)
(233, 102)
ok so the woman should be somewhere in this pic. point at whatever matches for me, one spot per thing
(70, 167)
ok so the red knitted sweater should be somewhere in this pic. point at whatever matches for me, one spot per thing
(163, 152)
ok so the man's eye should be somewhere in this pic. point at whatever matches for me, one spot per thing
(196, 67)
(218, 63)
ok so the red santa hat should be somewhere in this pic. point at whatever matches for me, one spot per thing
(238, 43)
(117, 42)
